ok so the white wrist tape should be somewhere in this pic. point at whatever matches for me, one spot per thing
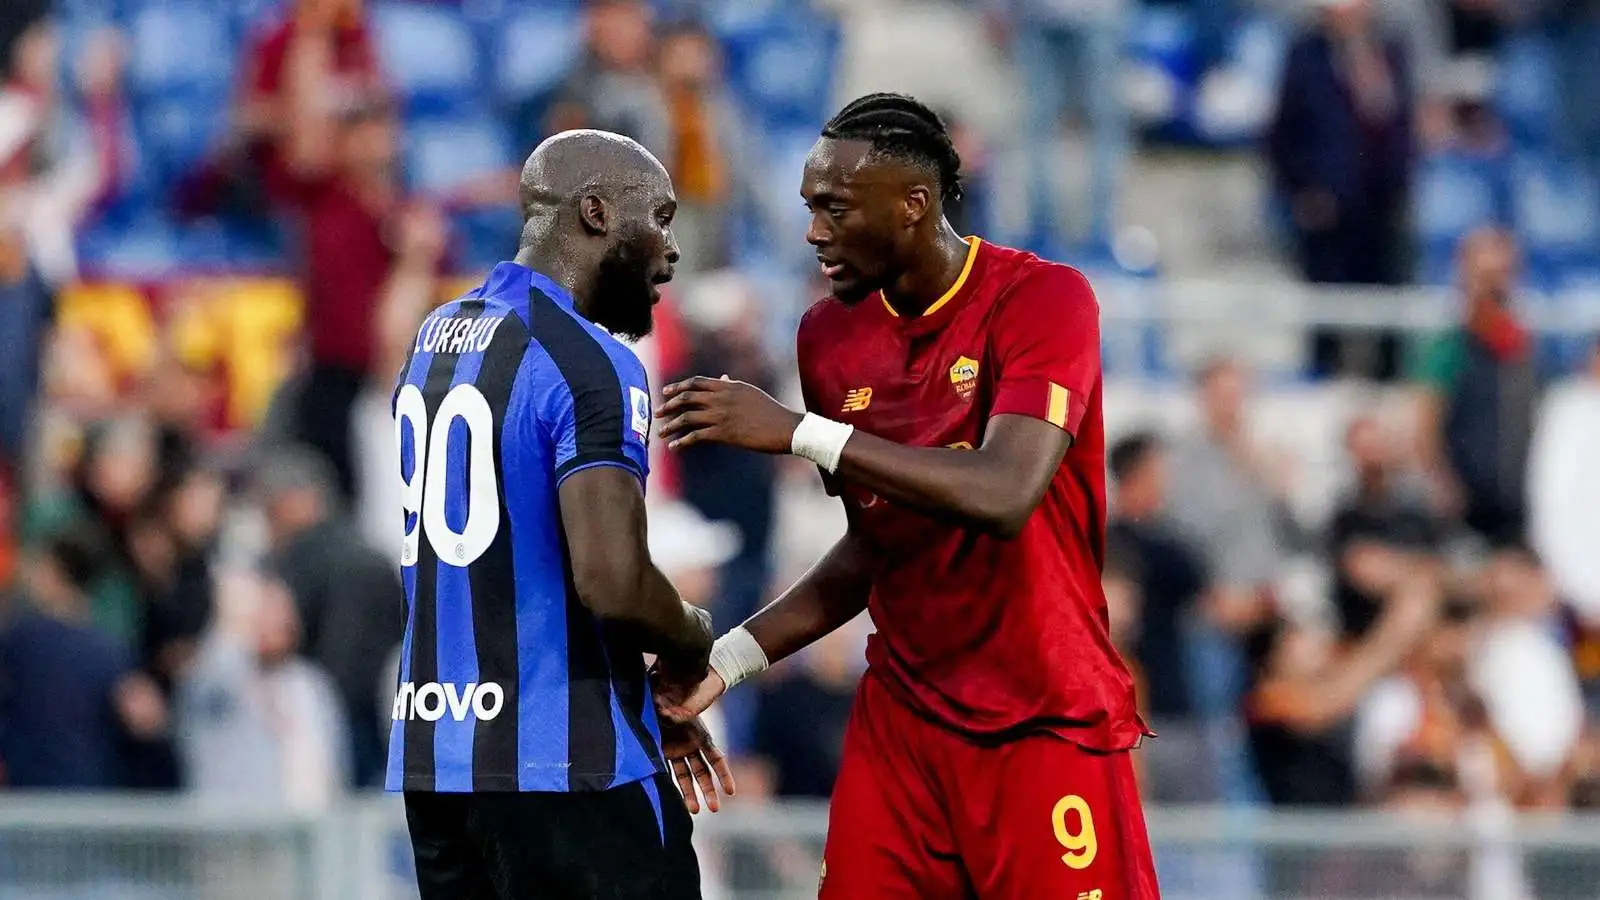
(736, 656)
(820, 440)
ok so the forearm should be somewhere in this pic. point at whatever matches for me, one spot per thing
(657, 620)
(310, 132)
(830, 594)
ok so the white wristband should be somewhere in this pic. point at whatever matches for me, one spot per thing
(736, 656)
(820, 440)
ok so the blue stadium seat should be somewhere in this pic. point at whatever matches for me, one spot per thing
(176, 131)
(784, 67)
(147, 247)
(180, 46)
(533, 50)
(443, 153)
(1526, 91)
(428, 52)
(1556, 212)
(1160, 49)
(1236, 103)
(1453, 196)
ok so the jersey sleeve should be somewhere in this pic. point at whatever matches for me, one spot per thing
(805, 355)
(599, 414)
(1047, 342)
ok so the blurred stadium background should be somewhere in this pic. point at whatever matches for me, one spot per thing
(1349, 259)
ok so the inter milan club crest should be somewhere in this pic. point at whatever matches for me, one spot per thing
(964, 377)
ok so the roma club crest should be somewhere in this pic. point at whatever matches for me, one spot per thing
(964, 377)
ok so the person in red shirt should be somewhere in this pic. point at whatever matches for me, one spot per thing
(954, 397)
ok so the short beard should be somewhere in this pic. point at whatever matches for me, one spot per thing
(621, 300)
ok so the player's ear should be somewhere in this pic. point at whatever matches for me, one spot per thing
(918, 201)
(593, 213)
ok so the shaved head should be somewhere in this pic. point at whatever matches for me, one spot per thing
(597, 208)
(569, 165)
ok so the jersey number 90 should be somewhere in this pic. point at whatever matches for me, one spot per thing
(423, 490)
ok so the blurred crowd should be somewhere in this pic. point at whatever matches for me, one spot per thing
(194, 605)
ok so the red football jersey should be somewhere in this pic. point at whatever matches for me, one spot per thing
(984, 635)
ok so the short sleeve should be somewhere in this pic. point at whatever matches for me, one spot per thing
(1046, 341)
(598, 414)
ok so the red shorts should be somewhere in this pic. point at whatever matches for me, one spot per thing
(921, 813)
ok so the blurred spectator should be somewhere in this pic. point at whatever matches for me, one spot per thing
(800, 723)
(1066, 53)
(1226, 502)
(1341, 153)
(115, 474)
(1170, 580)
(1305, 692)
(347, 596)
(1564, 490)
(725, 315)
(612, 88)
(1525, 676)
(320, 53)
(1478, 391)
(71, 701)
(54, 167)
(257, 724)
(710, 157)
(1424, 712)
(1380, 527)
(361, 248)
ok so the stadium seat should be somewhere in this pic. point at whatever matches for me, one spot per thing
(428, 52)
(1234, 103)
(1160, 54)
(1453, 196)
(533, 50)
(146, 248)
(1557, 214)
(175, 132)
(444, 153)
(783, 67)
(1526, 89)
(180, 46)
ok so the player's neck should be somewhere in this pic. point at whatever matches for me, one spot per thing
(929, 277)
(555, 265)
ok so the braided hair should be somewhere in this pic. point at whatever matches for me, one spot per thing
(904, 129)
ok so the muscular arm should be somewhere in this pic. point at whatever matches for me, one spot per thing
(994, 488)
(827, 596)
(603, 514)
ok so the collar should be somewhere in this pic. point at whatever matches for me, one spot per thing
(514, 280)
(931, 316)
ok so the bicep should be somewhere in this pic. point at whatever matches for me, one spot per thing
(603, 518)
(1028, 449)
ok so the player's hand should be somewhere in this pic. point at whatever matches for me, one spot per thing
(695, 759)
(682, 706)
(724, 411)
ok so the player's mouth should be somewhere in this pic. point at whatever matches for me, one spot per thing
(831, 270)
(656, 281)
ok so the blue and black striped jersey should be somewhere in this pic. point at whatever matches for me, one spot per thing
(507, 681)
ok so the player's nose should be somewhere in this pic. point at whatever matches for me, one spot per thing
(816, 234)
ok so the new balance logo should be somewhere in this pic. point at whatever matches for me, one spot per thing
(1090, 895)
(857, 400)
(430, 701)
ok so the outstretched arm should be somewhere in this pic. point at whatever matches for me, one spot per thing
(994, 488)
(830, 594)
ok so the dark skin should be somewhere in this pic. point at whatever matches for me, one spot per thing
(877, 225)
(598, 214)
